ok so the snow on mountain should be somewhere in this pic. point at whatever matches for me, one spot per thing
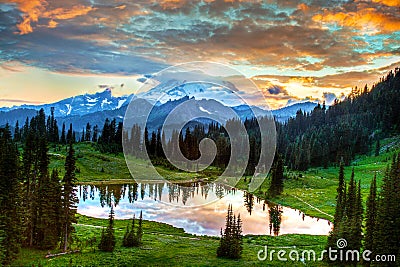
(204, 110)
(208, 100)
(81, 105)
(174, 90)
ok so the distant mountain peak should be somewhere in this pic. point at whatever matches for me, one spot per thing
(107, 93)
(82, 104)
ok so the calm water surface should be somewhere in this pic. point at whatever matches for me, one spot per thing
(168, 203)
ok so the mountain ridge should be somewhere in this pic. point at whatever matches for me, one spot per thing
(95, 108)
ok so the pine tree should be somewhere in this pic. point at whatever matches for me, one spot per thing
(277, 177)
(70, 135)
(10, 223)
(69, 197)
(377, 148)
(387, 235)
(88, 132)
(17, 132)
(129, 237)
(139, 232)
(34, 177)
(29, 159)
(339, 211)
(231, 245)
(357, 232)
(371, 217)
(51, 212)
(95, 133)
(63, 139)
(107, 241)
(43, 217)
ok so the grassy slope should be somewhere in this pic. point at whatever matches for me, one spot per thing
(317, 186)
(164, 245)
(91, 162)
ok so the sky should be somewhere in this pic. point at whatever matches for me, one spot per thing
(293, 50)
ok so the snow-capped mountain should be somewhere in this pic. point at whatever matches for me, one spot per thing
(95, 108)
(174, 90)
(80, 105)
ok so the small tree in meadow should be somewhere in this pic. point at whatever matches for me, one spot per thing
(231, 244)
(133, 238)
(107, 242)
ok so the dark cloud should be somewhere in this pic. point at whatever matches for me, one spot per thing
(19, 101)
(276, 90)
(142, 80)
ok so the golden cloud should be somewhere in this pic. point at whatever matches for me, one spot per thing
(303, 7)
(35, 9)
(52, 24)
(388, 2)
(172, 4)
(364, 19)
(62, 13)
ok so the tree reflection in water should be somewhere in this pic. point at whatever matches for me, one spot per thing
(254, 209)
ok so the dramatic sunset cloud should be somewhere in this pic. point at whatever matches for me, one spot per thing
(33, 10)
(388, 2)
(367, 19)
(304, 48)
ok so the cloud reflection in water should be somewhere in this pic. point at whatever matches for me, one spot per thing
(203, 220)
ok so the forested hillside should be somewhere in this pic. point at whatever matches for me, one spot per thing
(326, 136)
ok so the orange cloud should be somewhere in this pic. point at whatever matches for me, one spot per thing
(303, 7)
(365, 19)
(62, 13)
(52, 24)
(32, 10)
(172, 4)
(35, 9)
(121, 7)
(388, 2)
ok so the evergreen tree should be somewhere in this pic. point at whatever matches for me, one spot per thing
(139, 232)
(25, 129)
(351, 224)
(377, 148)
(17, 133)
(129, 237)
(133, 237)
(29, 162)
(63, 139)
(387, 235)
(231, 244)
(357, 220)
(277, 177)
(339, 211)
(69, 198)
(371, 217)
(10, 223)
(70, 135)
(35, 175)
(88, 132)
(95, 133)
(107, 241)
(51, 212)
